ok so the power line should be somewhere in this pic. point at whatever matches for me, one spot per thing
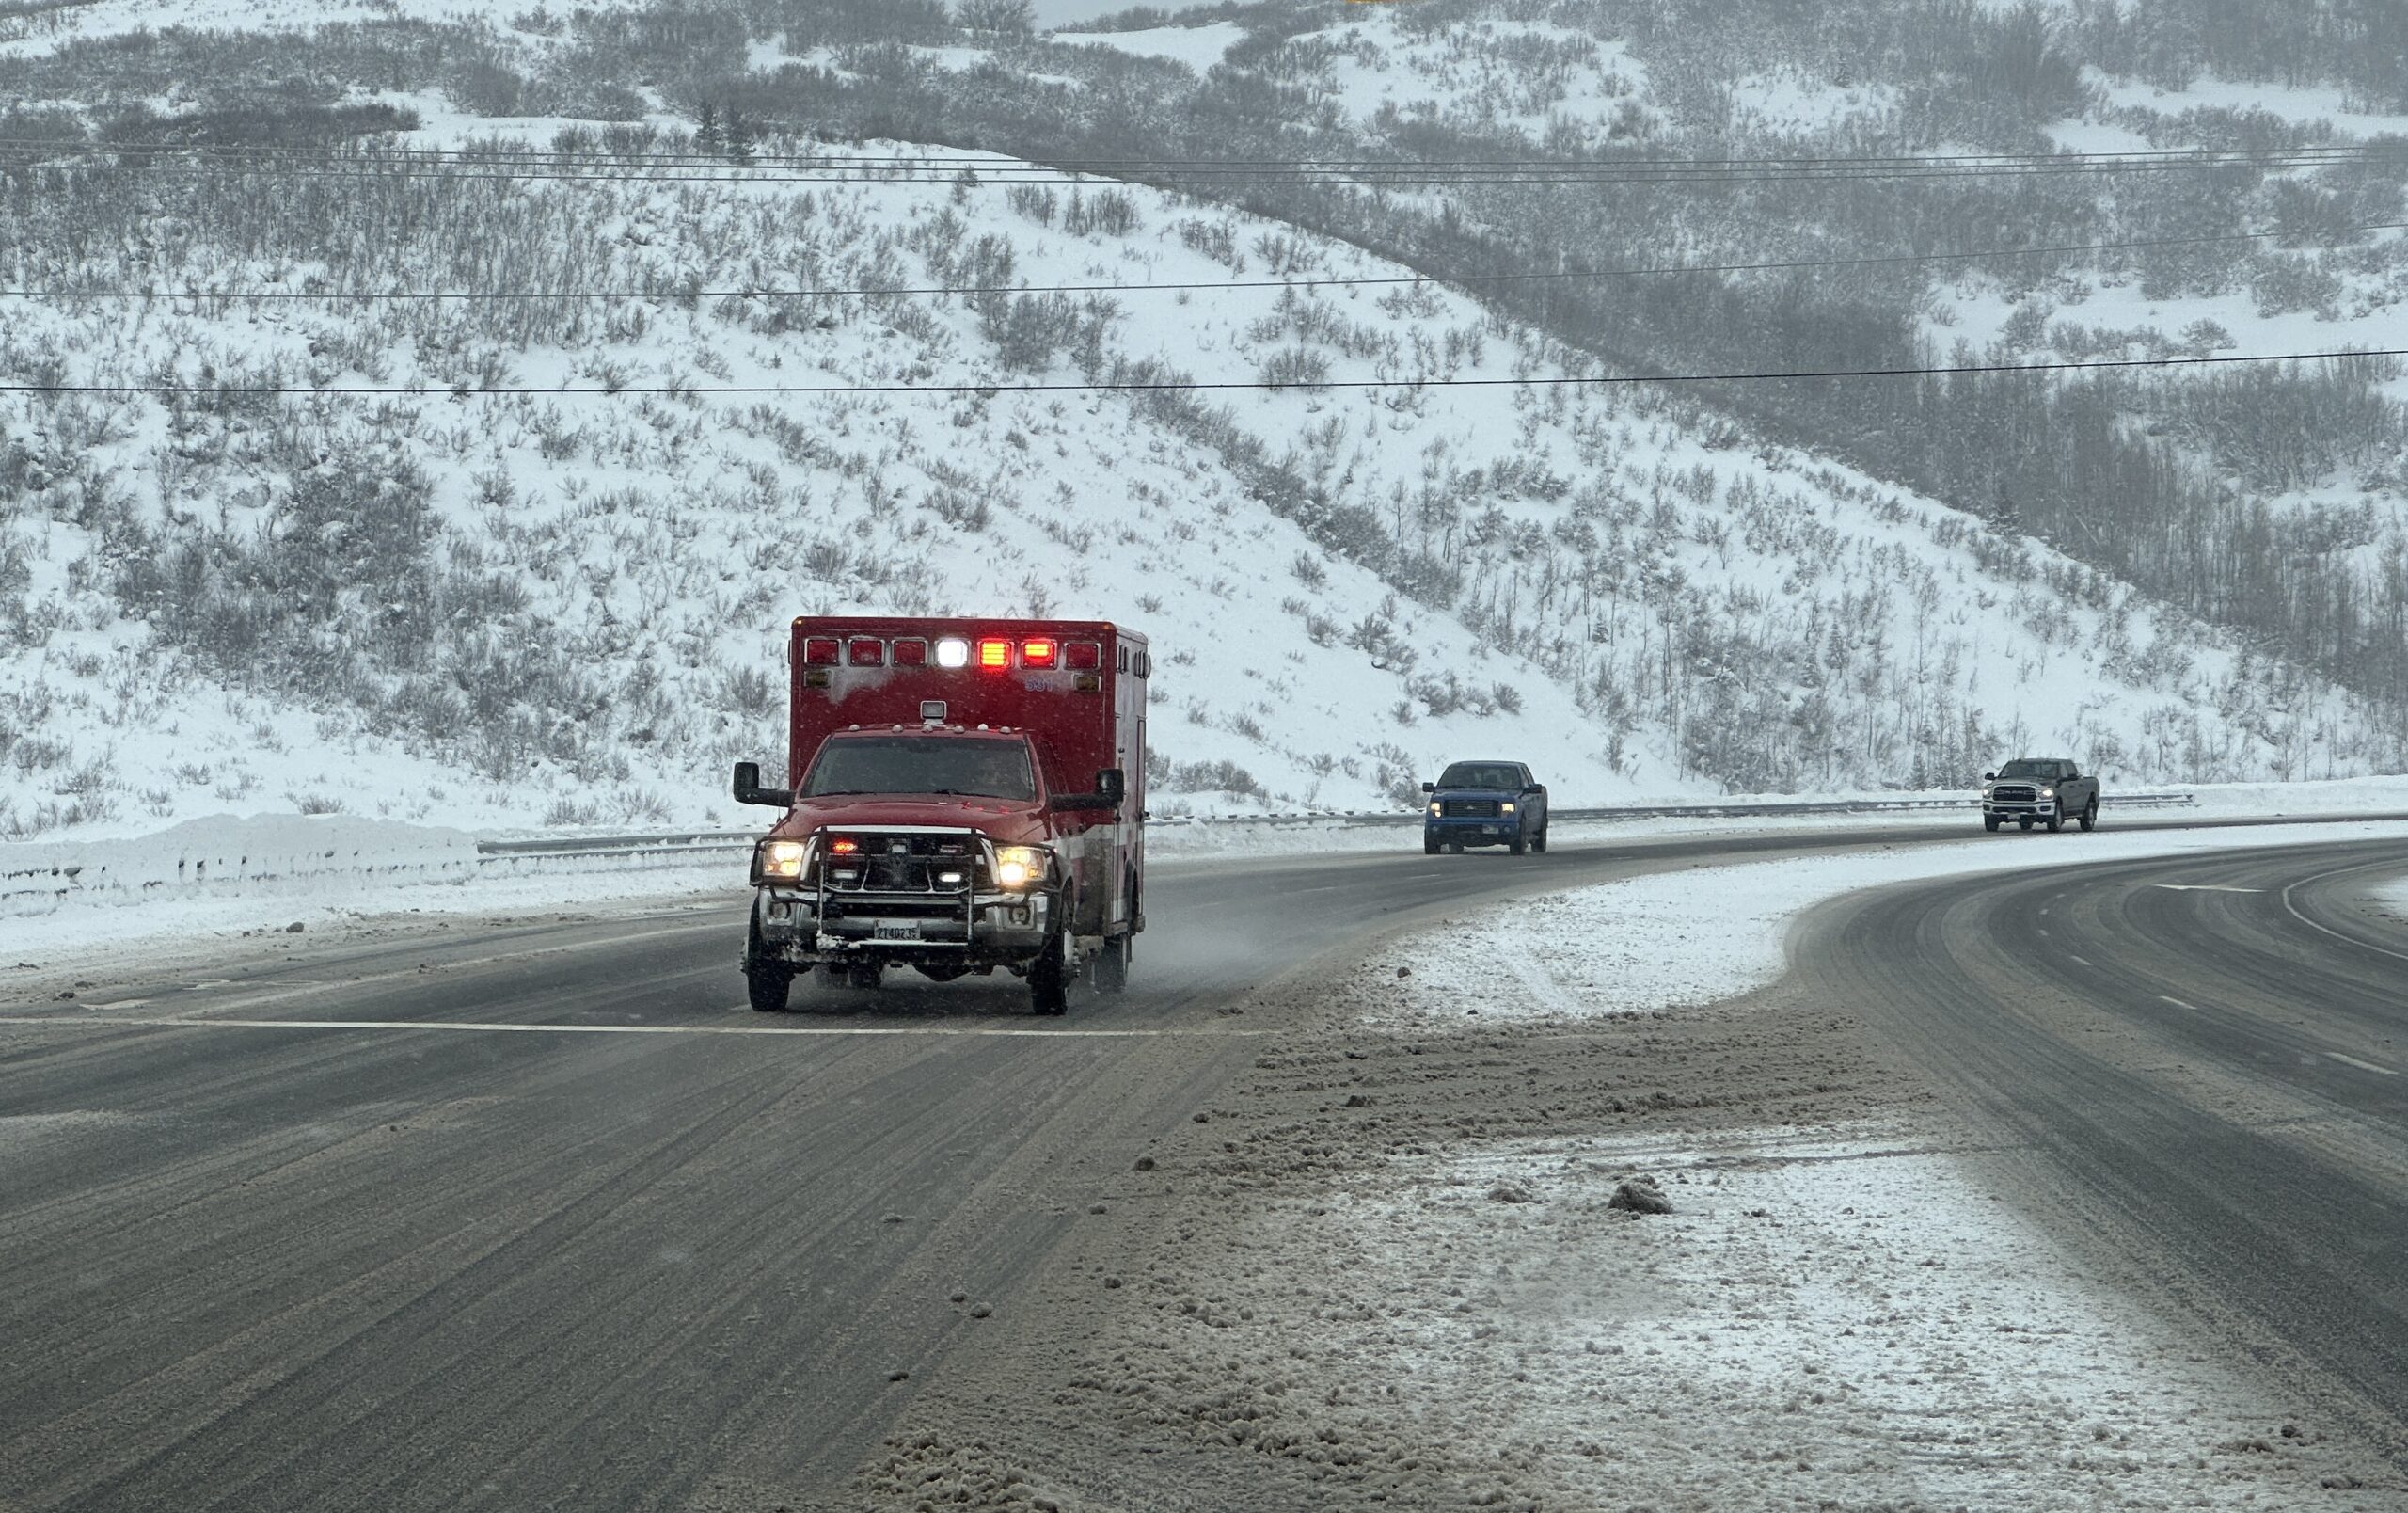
(1792, 265)
(1170, 386)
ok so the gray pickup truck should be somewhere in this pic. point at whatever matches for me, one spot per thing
(2047, 790)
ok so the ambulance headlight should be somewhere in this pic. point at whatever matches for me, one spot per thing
(777, 861)
(1018, 867)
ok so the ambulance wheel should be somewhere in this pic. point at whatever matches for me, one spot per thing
(1112, 966)
(765, 982)
(766, 987)
(1048, 981)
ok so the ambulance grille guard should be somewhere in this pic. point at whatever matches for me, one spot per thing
(900, 885)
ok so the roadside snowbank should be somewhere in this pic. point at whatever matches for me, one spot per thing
(2343, 795)
(1701, 934)
(257, 857)
(228, 875)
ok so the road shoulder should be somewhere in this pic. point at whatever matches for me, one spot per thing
(1386, 1265)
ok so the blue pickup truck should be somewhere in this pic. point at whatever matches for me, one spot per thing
(1485, 803)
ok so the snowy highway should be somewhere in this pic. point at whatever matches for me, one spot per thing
(2202, 1062)
(534, 1213)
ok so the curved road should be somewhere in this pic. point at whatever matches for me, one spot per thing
(537, 1214)
(2206, 1055)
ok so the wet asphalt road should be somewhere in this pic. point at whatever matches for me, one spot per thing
(2204, 1058)
(537, 1214)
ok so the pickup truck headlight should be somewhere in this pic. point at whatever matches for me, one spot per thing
(777, 861)
(2048, 793)
(1016, 866)
(1435, 807)
(1505, 807)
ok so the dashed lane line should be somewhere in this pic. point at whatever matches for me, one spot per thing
(2363, 1066)
(991, 1032)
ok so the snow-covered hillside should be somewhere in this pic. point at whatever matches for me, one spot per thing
(2160, 265)
(567, 608)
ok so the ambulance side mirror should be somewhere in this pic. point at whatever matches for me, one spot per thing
(749, 789)
(1111, 785)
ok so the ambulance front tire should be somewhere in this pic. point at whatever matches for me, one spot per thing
(765, 982)
(767, 986)
(1049, 979)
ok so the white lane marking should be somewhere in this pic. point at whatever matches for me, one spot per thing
(2327, 930)
(2363, 1066)
(2202, 887)
(990, 1031)
(2084, 960)
(2179, 1004)
(121, 1003)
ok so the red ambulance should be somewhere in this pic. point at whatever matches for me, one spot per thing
(961, 796)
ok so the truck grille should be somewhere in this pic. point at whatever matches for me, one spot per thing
(1470, 808)
(892, 906)
(908, 865)
(2015, 794)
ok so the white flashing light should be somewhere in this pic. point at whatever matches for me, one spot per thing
(1016, 866)
(953, 652)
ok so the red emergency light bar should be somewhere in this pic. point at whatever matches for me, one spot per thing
(993, 653)
(844, 847)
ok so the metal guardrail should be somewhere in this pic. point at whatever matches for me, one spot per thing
(666, 844)
(663, 844)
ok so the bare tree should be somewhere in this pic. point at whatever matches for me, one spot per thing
(1016, 18)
